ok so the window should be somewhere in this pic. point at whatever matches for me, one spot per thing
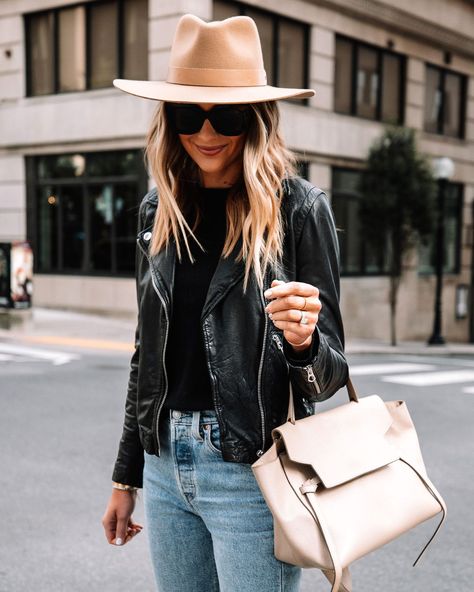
(72, 49)
(86, 46)
(369, 81)
(103, 44)
(82, 211)
(285, 44)
(445, 93)
(357, 257)
(41, 50)
(452, 234)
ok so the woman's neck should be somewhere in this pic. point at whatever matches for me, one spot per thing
(222, 179)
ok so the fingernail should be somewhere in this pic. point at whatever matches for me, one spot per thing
(268, 293)
(118, 541)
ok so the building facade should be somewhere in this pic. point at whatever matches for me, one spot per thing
(71, 145)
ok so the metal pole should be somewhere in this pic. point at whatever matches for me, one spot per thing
(471, 288)
(436, 338)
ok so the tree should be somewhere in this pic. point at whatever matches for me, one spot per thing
(397, 203)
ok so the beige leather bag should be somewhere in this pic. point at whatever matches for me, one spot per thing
(344, 482)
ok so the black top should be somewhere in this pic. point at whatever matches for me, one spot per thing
(189, 387)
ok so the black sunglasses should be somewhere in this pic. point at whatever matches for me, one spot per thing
(228, 120)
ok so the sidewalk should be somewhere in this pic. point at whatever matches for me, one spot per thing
(68, 329)
(75, 329)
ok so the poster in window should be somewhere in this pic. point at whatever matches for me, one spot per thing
(5, 275)
(16, 275)
(21, 277)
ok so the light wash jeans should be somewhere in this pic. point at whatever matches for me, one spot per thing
(209, 528)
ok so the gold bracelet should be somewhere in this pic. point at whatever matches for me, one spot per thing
(123, 486)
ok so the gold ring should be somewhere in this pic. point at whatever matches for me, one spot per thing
(305, 303)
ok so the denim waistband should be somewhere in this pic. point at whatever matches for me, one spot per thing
(187, 417)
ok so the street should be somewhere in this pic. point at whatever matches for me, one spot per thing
(60, 423)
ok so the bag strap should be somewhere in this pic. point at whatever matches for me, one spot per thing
(434, 492)
(310, 487)
(291, 405)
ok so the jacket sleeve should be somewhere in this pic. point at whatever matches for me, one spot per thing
(129, 464)
(322, 369)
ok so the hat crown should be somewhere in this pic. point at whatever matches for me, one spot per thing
(218, 53)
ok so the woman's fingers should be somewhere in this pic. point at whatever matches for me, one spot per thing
(286, 288)
(292, 307)
(291, 296)
(289, 301)
(303, 331)
(132, 530)
(117, 521)
(109, 523)
(121, 531)
(294, 316)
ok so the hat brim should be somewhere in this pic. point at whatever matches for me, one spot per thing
(180, 93)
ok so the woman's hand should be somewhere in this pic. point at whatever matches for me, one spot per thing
(289, 299)
(117, 520)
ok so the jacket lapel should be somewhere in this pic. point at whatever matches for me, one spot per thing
(227, 273)
(163, 264)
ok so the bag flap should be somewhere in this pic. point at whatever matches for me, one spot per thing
(342, 443)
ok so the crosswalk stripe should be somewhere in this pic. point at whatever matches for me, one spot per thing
(366, 369)
(432, 378)
(55, 357)
(6, 358)
(468, 389)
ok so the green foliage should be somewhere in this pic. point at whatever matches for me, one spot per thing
(397, 204)
(397, 196)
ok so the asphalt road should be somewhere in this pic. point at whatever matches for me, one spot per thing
(60, 423)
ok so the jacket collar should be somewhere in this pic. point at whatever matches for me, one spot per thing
(227, 273)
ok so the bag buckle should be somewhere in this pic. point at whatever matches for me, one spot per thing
(309, 486)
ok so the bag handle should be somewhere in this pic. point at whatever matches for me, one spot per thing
(291, 405)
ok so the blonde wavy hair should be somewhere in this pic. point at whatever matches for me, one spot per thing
(253, 204)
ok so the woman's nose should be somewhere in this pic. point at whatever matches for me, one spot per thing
(207, 129)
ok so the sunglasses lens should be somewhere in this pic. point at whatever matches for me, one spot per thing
(187, 120)
(226, 120)
(229, 121)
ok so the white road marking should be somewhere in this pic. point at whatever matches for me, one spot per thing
(6, 358)
(432, 378)
(9, 351)
(468, 389)
(366, 369)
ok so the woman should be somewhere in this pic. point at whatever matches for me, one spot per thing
(238, 288)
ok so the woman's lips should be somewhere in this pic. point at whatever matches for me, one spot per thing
(210, 151)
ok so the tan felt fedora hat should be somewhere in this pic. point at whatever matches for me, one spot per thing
(216, 62)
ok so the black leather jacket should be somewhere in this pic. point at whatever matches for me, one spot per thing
(248, 359)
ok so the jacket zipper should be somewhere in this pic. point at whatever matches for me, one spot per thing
(156, 413)
(311, 377)
(213, 379)
(259, 380)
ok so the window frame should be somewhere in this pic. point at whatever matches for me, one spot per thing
(462, 102)
(33, 183)
(380, 51)
(276, 19)
(88, 7)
